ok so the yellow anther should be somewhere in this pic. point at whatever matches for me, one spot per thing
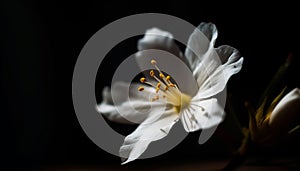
(166, 88)
(168, 78)
(151, 73)
(158, 85)
(141, 88)
(143, 80)
(156, 97)
(153, 62)
(172, 85)
(161, 75)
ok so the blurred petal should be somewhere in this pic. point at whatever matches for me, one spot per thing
(202, 115)
(158, 39)
(131, 107)
(215, 82)
(155, 42)
(106, 95)
(199, 44)
(150, 130)
(286, 114)
(129, 112)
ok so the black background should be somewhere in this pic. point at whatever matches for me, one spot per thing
(41, 40)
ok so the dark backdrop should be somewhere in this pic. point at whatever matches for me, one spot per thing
(40, 42)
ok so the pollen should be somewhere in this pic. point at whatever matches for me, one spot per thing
(152, 73)
(168, 78)
(172, 85)
(153, 62)
(158, 85)
(141, 88)
(161, 75)
(143, 80)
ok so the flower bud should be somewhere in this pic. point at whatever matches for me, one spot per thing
(286, 114)
(282, 116)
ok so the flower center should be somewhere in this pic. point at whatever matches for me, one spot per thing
(164, 88)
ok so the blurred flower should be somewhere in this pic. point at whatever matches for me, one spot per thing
(280, 118)
(196, 111)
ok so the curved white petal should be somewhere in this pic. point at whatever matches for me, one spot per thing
(215, 82)
(226, 51)
(152, 129)
(202, 115)
(158, 39)
(208, 65)
(129, 112)
(199, 44)
(129, 105)
(287, 112)
(157, 43)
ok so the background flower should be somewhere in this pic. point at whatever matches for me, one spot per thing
(281, 117)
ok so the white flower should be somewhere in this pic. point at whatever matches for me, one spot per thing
(196, 111)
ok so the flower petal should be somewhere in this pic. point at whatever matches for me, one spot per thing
(152, 129)
(214, 82)
(129, 105)
(286, 114)
(200, 42)
(156, 43)
(202, 115)
(158, 39)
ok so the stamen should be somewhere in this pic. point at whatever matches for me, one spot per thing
(159, 81)
(168, 78)
(169, 90)
(161, 75)
(141, 88)
(150, 84)
(153, 62)
(143, 80)
(151, 73)
(158, 85)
